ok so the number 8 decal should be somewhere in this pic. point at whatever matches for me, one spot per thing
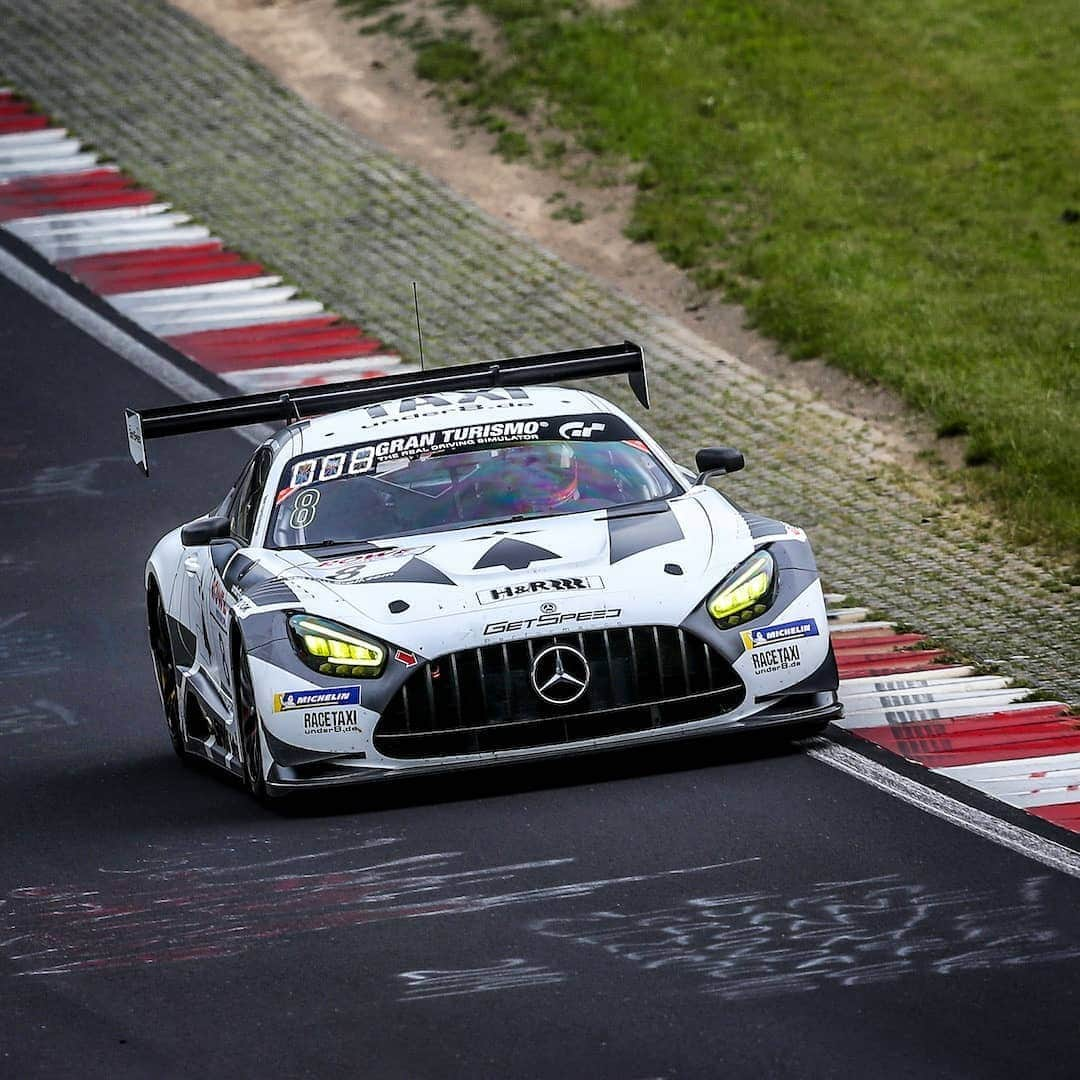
(304, 508)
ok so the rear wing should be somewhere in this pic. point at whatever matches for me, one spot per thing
(625, 359)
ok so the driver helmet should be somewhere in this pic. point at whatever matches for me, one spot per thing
(541, 476)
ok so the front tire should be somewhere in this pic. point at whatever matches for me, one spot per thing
(165, 670)
(247, 717)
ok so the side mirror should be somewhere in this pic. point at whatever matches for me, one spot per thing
(202, 532)
(717, 459)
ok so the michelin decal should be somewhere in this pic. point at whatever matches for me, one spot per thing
(773, 635)
(288, 700)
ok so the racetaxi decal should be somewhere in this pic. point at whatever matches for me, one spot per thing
(770, 635)
(313, 699)
(779, 659)
(556, 619)
(330, 721)
(530, 588)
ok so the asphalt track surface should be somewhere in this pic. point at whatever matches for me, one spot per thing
(722, 908)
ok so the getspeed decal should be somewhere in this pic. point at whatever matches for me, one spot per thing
(773, 635)
(555, 619)
(314, 699)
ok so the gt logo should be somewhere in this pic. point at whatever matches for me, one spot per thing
(575, 429)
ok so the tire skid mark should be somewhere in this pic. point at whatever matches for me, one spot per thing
(176, 911)
(741, 946)
(39, 715)
(509, 974)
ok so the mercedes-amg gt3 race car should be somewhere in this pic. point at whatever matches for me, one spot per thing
(470, 565)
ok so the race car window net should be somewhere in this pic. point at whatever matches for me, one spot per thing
(470, 475)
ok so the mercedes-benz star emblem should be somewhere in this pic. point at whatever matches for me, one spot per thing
(560, 674)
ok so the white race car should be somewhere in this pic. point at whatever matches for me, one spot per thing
(438, 570)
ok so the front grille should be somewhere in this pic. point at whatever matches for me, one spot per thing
(480, 700)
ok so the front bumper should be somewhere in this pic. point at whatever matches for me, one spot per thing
(803, 711)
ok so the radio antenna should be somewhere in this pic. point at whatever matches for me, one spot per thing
(419, 332)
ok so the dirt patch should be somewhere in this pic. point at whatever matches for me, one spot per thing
(367, 82)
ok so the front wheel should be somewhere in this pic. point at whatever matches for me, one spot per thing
(247, 717)
(165, 670)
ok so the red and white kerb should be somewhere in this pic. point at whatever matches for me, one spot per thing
(170, 276)
(977, 729)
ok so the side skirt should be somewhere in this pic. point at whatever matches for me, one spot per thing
(215, 747)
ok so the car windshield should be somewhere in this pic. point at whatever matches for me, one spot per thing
(463, 476)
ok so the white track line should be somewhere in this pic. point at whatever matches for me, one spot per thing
(112, 337)
(1056, 856)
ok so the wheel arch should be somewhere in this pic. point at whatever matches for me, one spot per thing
(236, 643)
(153, 593)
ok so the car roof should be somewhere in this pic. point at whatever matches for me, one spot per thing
(405, 416)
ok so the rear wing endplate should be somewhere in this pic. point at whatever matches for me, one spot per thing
(143, 425)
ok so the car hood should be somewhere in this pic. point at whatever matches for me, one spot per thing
(650, 563)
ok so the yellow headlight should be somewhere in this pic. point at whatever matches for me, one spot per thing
(743, 596)
(334, 649)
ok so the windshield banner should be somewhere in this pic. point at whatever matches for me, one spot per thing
(368, 457)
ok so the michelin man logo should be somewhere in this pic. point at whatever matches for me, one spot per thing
(575, 429)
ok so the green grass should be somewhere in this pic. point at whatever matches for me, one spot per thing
(893, 186)
(572, 212)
